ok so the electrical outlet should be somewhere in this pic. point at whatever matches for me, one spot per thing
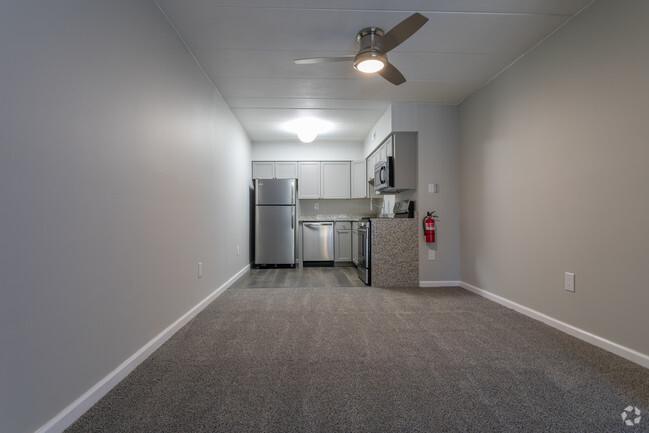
(433, 188)
(316, 206)
(570, 281)
(431, 254)
(200, 269)
(237, 250)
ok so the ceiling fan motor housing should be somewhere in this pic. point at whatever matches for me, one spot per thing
(367, 37)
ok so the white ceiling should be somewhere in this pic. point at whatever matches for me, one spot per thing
(247, 48)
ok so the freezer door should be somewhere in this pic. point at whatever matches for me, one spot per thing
(275, 235)
(275, 192)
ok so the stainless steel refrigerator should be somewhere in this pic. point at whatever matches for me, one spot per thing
(275, 221)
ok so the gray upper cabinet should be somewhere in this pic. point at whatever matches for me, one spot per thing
(382, 153)
(308, 183)
(336, 179)
(388, 144)
(274, 170)
(286, 169)
(401, 148)
(263, 170)
(317, 179)
(359, 179)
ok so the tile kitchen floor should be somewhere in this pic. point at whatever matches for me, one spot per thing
(337, 276)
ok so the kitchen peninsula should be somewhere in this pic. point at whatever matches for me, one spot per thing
(395, 260)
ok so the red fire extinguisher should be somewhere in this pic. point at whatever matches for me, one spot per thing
(429, 227)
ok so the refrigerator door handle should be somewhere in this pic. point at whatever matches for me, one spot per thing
(292, 217)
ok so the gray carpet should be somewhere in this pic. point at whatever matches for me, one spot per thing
(365, 359)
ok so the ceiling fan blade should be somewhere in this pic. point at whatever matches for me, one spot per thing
(392, 74)
(323, 60)
(401, 32)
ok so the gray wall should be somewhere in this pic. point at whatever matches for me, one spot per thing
(438, 162)
(120, 168)
(554, 176)
(316, 151)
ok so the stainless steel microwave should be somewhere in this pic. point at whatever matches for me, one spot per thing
(384, 174)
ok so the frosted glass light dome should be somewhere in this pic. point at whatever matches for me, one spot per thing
(307, 128)
(370, 65)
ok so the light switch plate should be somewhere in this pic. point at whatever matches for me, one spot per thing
(570, 282)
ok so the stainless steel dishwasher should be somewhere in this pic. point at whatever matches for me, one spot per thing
(318, 243)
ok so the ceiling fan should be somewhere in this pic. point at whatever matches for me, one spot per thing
(375, 44)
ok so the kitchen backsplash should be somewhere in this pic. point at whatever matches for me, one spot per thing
(341, 208)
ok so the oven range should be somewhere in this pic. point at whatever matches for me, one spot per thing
(364, 251)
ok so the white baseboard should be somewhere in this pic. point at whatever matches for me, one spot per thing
(625, 352)
(439, 284)
(77, 408)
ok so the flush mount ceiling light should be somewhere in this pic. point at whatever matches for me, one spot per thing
(307, 128)
(306, 136)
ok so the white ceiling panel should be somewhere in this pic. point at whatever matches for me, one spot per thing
(449, 66)
(480, 33)
(267, 125)
(335, 31)
(442, 92)
(416, 66)
(309, 103)
(270, 63)
(247, 48)
(565, 7)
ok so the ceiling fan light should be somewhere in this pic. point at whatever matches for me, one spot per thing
(370, 61)
(370, 65)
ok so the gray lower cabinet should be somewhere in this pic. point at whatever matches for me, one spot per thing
(343, 241)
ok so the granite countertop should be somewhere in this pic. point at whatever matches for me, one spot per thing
(303, 218)
(391, 218)
(342, 217)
